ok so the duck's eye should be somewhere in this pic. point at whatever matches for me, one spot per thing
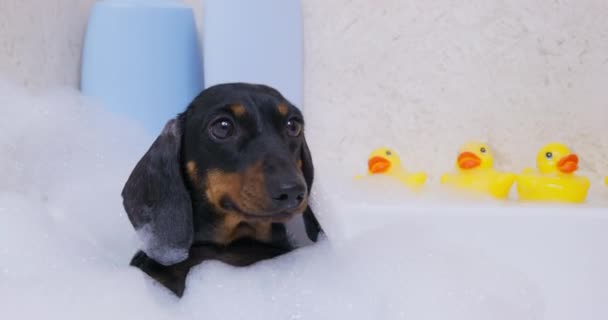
(483, 150)
(388, 153)
(549, 155)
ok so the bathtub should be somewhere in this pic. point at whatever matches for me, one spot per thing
(560, 249)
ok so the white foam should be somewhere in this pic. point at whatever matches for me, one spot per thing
(66, 242)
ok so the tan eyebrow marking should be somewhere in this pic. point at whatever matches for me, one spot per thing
(283, 109)
(238, 109)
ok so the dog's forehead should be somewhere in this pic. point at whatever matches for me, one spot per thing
(252, 105)
(258, 109)
(269, 107)
(239, 102)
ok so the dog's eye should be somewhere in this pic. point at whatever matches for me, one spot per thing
(293, 127)
(222, 128)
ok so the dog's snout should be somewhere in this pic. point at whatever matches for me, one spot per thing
(288, 195)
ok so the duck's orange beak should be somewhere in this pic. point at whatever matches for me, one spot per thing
(468, 160)
(568, 164)
(378, 165)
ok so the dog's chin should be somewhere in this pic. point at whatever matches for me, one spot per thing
(264, 214)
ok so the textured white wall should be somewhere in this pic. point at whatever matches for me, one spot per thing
(41, 40)
(422, 76)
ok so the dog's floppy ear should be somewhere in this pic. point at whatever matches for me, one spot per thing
(310, 221)
(157, 201)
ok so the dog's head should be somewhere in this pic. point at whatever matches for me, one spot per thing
(238, 148)
(244, 150)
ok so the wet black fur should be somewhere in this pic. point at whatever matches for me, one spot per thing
(176, 216)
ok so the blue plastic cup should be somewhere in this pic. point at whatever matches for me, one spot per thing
(142, 58)
(259, 41)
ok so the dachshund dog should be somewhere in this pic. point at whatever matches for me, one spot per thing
(220, 182)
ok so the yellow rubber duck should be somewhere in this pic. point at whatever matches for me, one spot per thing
(475, 172)
(555, 179)
(385, 161)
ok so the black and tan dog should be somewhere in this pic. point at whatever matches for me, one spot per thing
(220, 182)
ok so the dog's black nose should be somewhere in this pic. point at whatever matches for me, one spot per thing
(288, 195)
